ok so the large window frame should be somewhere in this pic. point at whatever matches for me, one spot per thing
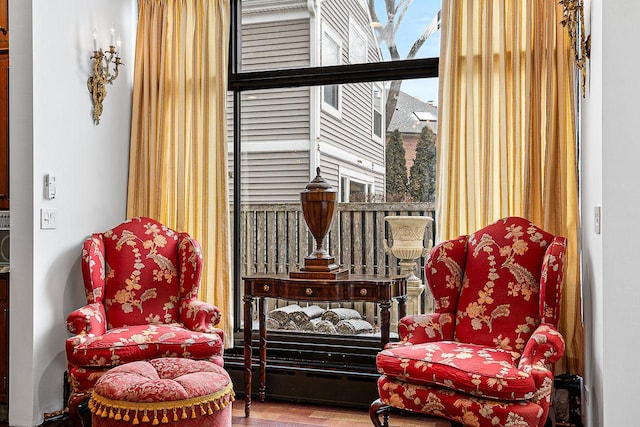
(239, 82)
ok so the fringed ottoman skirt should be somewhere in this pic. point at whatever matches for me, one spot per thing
(166, 391)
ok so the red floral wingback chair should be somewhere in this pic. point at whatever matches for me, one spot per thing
(141, 280)
(485, 357)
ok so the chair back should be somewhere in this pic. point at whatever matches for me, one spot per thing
(501, 299)
(141, 273)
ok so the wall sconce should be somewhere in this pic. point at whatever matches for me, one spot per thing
(105, 71)
(573, 21)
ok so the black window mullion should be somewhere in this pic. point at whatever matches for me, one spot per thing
(335, 74)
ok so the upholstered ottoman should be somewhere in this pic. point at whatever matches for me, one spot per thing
(166, 391)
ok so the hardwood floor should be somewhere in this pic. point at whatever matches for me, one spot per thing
(282, 414)
(285, 414)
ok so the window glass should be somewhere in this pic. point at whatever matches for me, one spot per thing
(377, 111)
(285, 137)
(357, 44)
(340, 125)
(331, 54)
(287, 33)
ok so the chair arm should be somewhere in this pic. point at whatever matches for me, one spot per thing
(544, 348)
(200, 316)
(88, 319)
(424, 328)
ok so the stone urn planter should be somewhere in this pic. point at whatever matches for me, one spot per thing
(407, 245)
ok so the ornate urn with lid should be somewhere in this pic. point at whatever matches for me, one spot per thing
(319, 205)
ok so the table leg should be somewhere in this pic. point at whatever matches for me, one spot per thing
(262, 315)
(384, 322)
(248, 327)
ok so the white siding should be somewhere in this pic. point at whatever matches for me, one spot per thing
(270, 117)
(283, 44)
(352, 131)
(275, 177)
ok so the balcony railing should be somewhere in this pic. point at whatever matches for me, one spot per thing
(275, 239)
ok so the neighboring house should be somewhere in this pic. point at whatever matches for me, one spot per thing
(410, 117)
(288, 133)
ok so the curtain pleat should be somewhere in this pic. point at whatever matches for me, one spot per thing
(507, 131)
(178, 159)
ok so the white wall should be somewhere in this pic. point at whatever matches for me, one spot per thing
(51, 132)
(591, 182)
(610, 178)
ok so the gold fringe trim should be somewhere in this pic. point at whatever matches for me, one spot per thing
(141, 412)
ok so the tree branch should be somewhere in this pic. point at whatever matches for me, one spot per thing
(433, 25)
(404, 5)
(372, 11)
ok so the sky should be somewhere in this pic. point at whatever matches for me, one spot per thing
(418, 17)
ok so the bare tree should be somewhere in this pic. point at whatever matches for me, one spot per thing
(396, 11)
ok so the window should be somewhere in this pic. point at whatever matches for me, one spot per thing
(294, 69)
(331, 55)
(357, 43)
(377, 112)
(355, 186)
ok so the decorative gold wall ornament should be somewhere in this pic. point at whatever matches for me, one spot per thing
(573, 21)
(105, 71)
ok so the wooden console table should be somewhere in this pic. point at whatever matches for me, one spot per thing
(356, 288)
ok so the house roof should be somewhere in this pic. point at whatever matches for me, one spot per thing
(412, 115)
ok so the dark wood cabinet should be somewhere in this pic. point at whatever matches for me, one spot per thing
(4, 337)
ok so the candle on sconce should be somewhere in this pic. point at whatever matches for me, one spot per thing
(95, 40)
(113, 36)
(118, 47)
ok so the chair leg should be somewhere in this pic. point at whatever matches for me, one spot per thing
(550, 422)
(376, 409)
(75, 399)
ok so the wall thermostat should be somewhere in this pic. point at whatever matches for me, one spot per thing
(50, 186)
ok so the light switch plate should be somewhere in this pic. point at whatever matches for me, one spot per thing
(597, 219)
(48, 218)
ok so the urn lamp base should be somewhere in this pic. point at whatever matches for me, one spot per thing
(319, 204)
(319, 268)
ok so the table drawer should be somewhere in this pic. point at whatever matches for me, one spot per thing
(363, 292)
(308, 292)
(260, 288)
